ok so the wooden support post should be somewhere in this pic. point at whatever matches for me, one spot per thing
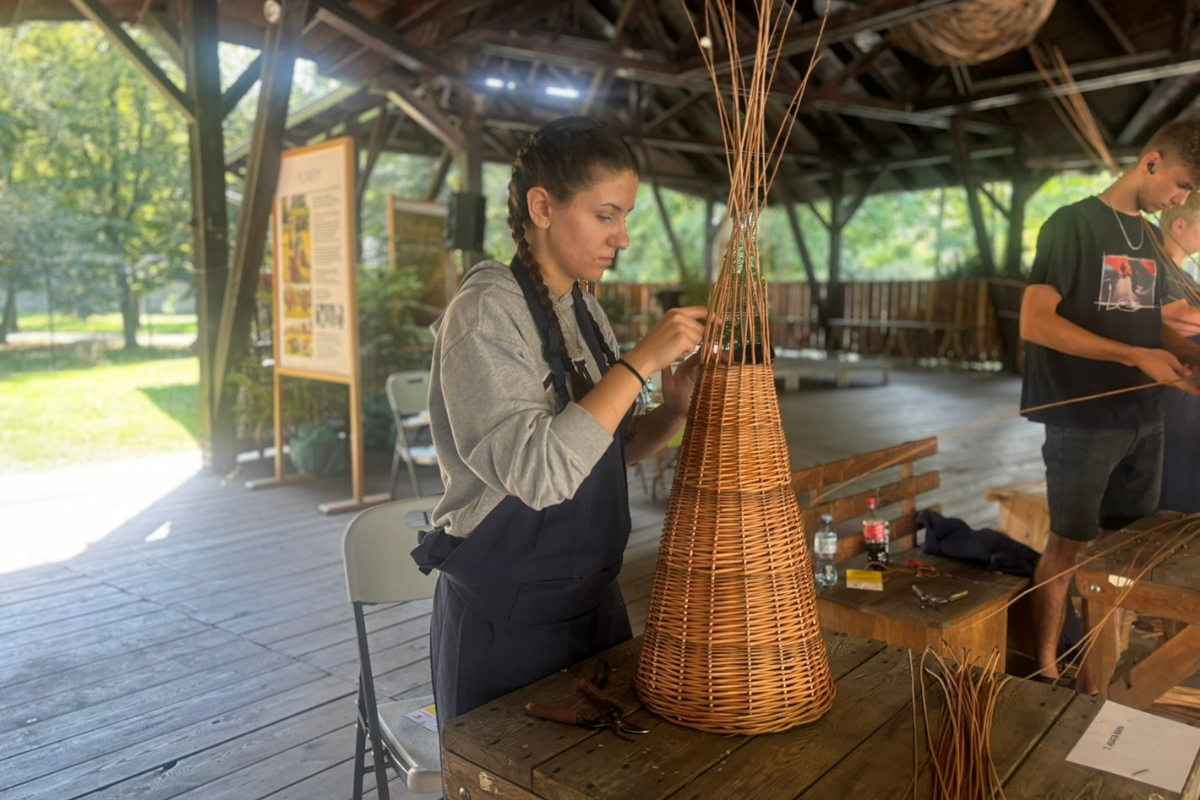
(814, 286)
(472, 182)
(1014, 245)
(438, 176)
(666, 220)
(967, 171)
(374, 148)
(710, 232)
(210, 229)
(262, 174)
(833, 287)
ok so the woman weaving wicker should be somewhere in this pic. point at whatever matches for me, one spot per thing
(529, 408)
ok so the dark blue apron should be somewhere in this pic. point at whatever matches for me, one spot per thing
(530, 592)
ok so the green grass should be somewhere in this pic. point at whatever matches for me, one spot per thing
(108, 323)
(131, 405)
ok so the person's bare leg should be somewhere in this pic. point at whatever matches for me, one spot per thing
(1050, 601)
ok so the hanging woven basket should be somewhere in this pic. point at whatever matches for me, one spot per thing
(973, 32)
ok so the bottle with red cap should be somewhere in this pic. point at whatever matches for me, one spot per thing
(875, 533)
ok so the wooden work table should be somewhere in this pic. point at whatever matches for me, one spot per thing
(1171, 591)
(977, 623)
(862, 748)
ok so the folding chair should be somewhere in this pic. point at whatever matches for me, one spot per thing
(379, 569)
(408, 395)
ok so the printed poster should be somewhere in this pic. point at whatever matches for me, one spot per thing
(315, 316)
(417, 241)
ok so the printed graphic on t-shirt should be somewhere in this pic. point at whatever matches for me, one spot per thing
(1127, 284)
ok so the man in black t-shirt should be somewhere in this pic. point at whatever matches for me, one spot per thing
(1092, 322)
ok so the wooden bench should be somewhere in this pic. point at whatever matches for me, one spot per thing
(1024, 513)
(947, 336)
(790, 371)
(818, 492)
(974, 623)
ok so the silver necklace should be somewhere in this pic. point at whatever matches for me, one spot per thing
(1121, 225)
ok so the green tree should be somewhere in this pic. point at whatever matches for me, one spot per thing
(104, 147)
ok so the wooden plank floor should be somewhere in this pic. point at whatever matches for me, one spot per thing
(218, 661)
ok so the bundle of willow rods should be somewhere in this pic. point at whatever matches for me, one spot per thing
(732, 641)
(974, 32)
(958, 761)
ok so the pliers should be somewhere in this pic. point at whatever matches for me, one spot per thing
(610, 715)
(936, 603)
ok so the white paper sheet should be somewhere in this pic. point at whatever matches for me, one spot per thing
(1132, 743)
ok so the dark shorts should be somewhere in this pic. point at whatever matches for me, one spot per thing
(1101, 477)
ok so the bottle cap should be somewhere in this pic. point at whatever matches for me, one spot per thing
(827, 519)
(871, 502)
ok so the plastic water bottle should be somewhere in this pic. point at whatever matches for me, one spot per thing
(875, 534)
(825, 546)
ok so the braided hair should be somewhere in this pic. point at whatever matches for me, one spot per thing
(565, 157)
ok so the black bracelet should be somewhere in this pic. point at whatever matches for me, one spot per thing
(629, 367)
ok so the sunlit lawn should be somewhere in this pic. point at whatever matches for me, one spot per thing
(127, 405)
(108, 323)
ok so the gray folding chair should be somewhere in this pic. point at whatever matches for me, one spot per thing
(408, 395)
(379, 569)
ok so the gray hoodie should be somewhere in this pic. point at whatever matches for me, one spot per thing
(492, 406)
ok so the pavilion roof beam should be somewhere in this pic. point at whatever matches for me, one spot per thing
(900, 113)
(1116, 30)
(1148, 58)
(12, 13)
(657, 142)
(572, 52)
(389, 44)
(1160, 99)
(422, 112)
(435, 11)
(166, 33)
(518, 15)
(237, 90)
(600, 77)
(840, 27)
(860, 64)
(298, 116)
(1084, 86)
(688, 100)
(104, 19)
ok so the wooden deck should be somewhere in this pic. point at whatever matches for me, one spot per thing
(218, 661)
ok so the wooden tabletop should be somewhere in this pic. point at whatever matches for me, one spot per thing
(897, 601)
(863, 748)
(1132, 546)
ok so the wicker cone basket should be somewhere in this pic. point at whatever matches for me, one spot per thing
(732, 641)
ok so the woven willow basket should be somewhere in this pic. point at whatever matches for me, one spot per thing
(974, 32)
(732, 642)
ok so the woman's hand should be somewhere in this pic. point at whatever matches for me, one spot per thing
(677, 384)
(675, 336)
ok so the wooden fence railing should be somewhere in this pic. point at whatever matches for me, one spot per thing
(911, 320)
